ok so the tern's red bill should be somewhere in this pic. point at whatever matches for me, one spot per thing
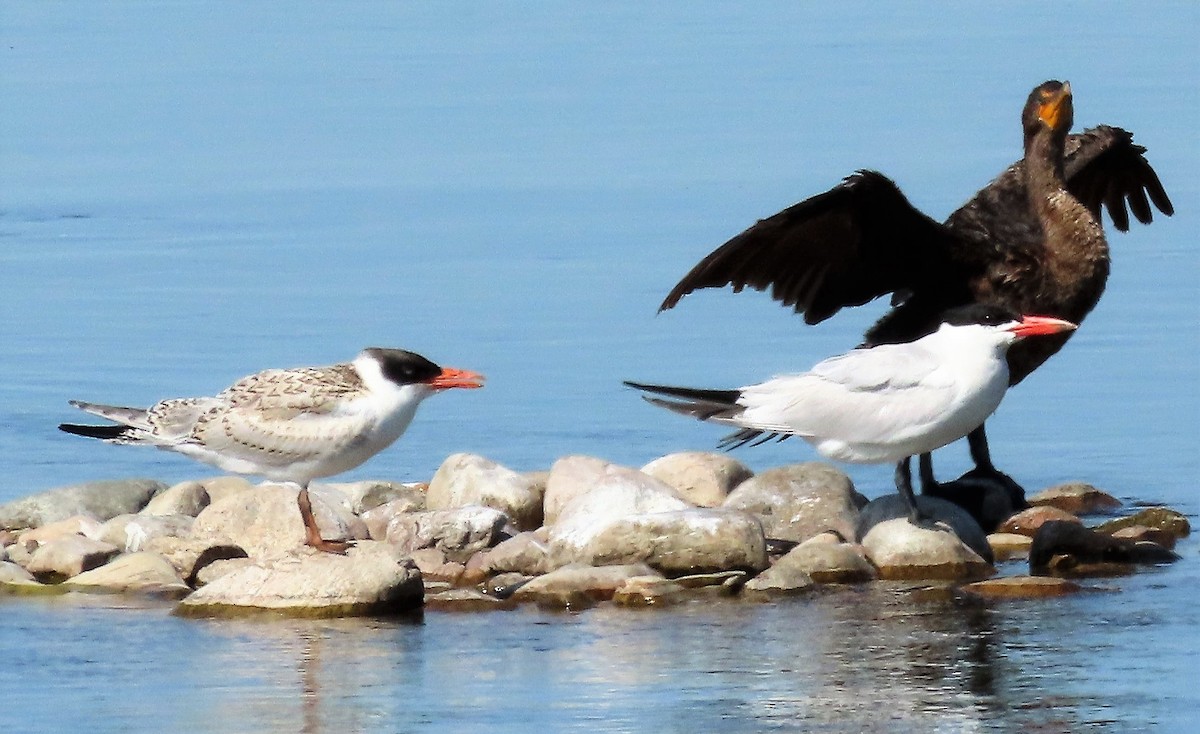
(454, 377)
(1041, 325)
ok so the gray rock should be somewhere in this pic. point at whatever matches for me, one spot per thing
(144, 573)
(367, 495)
(525, 553)
(267, 521)
(371, 579)
(189, 556)
(77, 525)
(69, 556)
(458, 533)
(186, 498)
(17, 578)
(218, 488)
(579, 585)
(828, 563)
(677, 542)
(467, 479)
(1077, 498)
(783, 578)
(589, 486)
(223, 567)
(799, 501)
(704, 479)
(101, 500)
(434, 566)
(131, 532)
(648, 591)
(377, 518)
(466, 600)
(950, 546)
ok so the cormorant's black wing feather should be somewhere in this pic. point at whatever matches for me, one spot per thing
(860, 240)
(1105, 168)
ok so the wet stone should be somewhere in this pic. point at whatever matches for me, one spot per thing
(1028, 521)
(1077, 498)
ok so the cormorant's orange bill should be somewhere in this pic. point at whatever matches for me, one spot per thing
(1040, 326)
(454, 377)
(1052, 110)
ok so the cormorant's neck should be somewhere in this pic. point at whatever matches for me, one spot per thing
(1044, 156)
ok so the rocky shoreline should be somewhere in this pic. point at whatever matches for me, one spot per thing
(482, 536)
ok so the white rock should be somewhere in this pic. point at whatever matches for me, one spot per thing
(799, 501)
(186, 498)
(147, 573)
(467, 479)
(267, 520)
(458, 533)
(373, 578)
(704, 479)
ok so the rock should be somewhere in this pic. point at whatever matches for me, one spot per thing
(15, 578)
(704, 479)
(189, 556)
(267, 521)
(578, 585)
(458, 533)
(466, 600)
(581, 485)
(218, 568)
(525, 554)
(371, 579)
(67, 556)
(131, 532)
(1077, 498)
(949, 515)
(728, 581)
(781, 577)
(100, 500)
(467, 479)
(78, 525)
(218, 488)
(145, 573)
(1006, 546)
(367, 495)
(434, 567)
(647, 591)
(1022, 587)
(678, 542)
(1028, 521)
(1162, 518)
(826, 563)
(989, 497)
(1138, 533)
(799, 501)
(185, 498)
(1067, 547)
(950, 546)
(377, 518)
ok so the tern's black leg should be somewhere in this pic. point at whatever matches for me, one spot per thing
(312, 534)
(904, 486)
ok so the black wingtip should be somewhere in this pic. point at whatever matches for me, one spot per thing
(106, 433)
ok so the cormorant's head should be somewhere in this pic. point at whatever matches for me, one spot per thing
(1049, 107)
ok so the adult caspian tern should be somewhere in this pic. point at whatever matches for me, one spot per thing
(1031, 241)
(879, 404)
(290, 425)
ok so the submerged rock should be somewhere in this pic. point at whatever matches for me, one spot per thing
(100, 500)
(1022, 587)
(1007, 546)
(372, 578)
(1163, 518)
(704, 479)
(579, 585)
(799, 501)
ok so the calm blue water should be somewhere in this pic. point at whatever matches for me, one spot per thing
(192, 192)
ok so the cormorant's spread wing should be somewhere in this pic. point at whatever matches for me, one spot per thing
(1104, 167)
(860, 240)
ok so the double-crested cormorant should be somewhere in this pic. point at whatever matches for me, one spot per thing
(879, 404)
(1030, 241)
(291, 425)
